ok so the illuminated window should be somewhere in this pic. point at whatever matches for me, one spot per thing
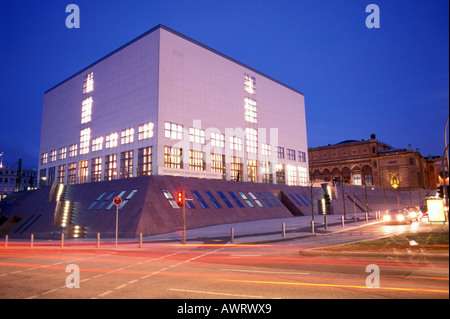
(303, 176)
(236, 168)
(126, 164)
(52, 157)
(110, 167)
(250, 110)
(250, 83)
(196, 135)
(280, 174)
(86, 110)
(144, 161)
(252, 140)
(61, 174)
(71, 173)
(111, 140)
(83, 172)
(97, 144)
(62, 153)
(218, 164)
(291, 154)
(266, 150)
(96, 169)
(217, 139)
(252, 171)
(85, 138)
(44, 158)
(197, 160)
(291, 175)
(173, 131)
(88, 84)
(235, 143)
(266, 170)
(73, 150)
(145, 131)
(173, 157)
(127, 136)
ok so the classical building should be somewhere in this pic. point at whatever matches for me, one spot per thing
(165, 104)
(371, 162)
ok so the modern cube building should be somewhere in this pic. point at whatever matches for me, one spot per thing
(164, 104)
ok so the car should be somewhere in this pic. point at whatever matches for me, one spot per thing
(424, 210)
(414, 213)
(397, 216)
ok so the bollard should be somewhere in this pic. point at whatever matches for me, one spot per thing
(325, 221)
(140, 240)
(98, 240)
(367, 217)
(232, 234)
(6, 241)
(283, 227)
(312, 226)
(342, 221)
(62, 240)
(31, 240)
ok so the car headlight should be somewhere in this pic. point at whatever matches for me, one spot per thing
(387, 218)
(400, 217)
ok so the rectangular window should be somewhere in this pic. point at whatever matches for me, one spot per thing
(88, 84)
(291, 175)
(112, 140)
(173, 157)
(44, 158)
(218, 165)
(169, 197)
(252, 140)
(145, 161)
(235, 143)
(61, 174)
(83, 172)
(96, 169)
(173, 131)
(145, 131)
(196, 135)
(251, 115)
(266, 150)
(303, 176)
(126, 164)
(62, 153)
(200, 199)
(256, 200)
(252, 171)
(236, 168)
(52, 156)
(249, 83)
(225, 199)
(85, 139)
(73, 150)
(217, 139)
(267, 176)
(280, 152)
(110, 167)
(236, 199)
(302, 156)
(86, 110)
(72, 174)
(127, 136)
(97, 144)
(291, 154)
(197, 161)
(280, 174)
(249, 203)
(211, 197)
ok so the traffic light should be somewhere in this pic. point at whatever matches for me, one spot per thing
(180, 199)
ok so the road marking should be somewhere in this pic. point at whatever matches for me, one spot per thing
(267, 272)
(216, 293)
(243, 255)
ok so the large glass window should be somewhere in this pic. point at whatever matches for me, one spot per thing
(249, 83)
(173, 157)
(127, 136)
(96, 169)
(112, 140)
(126, 164)
(144, 161)
(252, 171)
(252, 140)
(197, 160)
(236, 168)
(85, 139)
(196, 135)
(251, 114)
(173, 131)
(110, 167)
(88, 84)
(145, 131)
(86, 110)
(218, 164)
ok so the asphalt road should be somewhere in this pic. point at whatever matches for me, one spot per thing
(262, 272)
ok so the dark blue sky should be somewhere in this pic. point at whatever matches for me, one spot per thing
(392, 81)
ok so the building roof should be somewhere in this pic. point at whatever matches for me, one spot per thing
(160, 26)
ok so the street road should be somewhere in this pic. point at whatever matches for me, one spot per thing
(219, 271)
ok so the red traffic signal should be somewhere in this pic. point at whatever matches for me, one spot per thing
(180, 199)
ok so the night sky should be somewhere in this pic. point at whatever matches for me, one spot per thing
(392, 81)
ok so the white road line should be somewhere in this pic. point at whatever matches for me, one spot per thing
(267, 272)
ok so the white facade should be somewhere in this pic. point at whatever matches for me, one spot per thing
(166, 104)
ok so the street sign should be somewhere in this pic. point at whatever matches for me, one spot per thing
(117, 200)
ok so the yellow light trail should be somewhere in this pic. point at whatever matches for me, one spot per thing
(335, 285)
